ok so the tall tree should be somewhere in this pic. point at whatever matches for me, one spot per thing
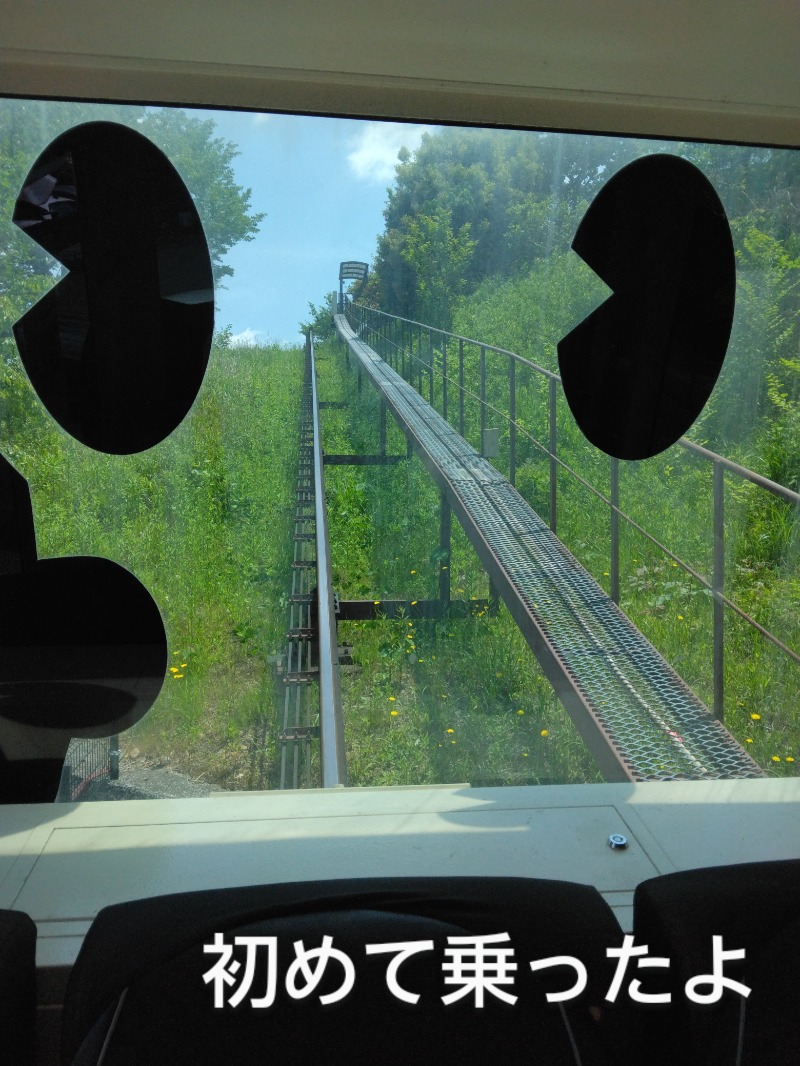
(517, 197)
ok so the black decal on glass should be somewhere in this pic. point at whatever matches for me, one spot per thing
(118, 348)
(83, 651)
(83, 648)
(17, 536)
(639, 370)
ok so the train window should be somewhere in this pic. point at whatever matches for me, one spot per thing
(509, 603)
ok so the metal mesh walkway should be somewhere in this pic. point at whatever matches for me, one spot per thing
(638, 717)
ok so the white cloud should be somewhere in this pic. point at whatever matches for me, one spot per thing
(247, 336)
(261, 118)
(375, 148)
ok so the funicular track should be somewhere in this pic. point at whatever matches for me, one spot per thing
(311, 663)
(637, 716)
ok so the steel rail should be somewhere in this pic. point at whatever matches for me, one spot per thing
(295, 734)
(332, 751)
(715, 586)
(466, 340)
(617, 512)
(776, 489)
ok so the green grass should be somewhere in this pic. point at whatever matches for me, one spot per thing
(203, 520)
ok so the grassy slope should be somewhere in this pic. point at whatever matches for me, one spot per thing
(203, 519)
(204, 522)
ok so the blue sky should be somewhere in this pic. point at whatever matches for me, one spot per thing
(322, 183)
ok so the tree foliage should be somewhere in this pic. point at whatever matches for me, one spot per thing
(478, 204)
(320, 321)
(205, 163)
(478, 232)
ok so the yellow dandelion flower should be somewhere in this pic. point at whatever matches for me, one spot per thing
(520, 712)
(756, 717)
(413, 604)
(452, 742)
(392, 699)
(173, 669)
(444, 697)
(525, 754)
(394, 714)
(176, 676)
(545, 733)
(450, 731)
(184, 665)
(680, 617)
(413, 571)
(749, 740)
(790, 758)
(776, 758)
(376, 602)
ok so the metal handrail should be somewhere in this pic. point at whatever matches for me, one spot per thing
(331, 718)
(715, 586)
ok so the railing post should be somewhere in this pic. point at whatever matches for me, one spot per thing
(444, 377)
(483, 393)
(113, 757)
(420, 360)
(461, 386)
(553, 463)
(718, 583)
(430, 367)
(512, 419)
(614, 561)
(444, 552)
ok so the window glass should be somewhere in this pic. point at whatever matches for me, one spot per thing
(467, 231)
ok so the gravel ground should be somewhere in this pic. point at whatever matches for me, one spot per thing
(149, 782)
(140, 777)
